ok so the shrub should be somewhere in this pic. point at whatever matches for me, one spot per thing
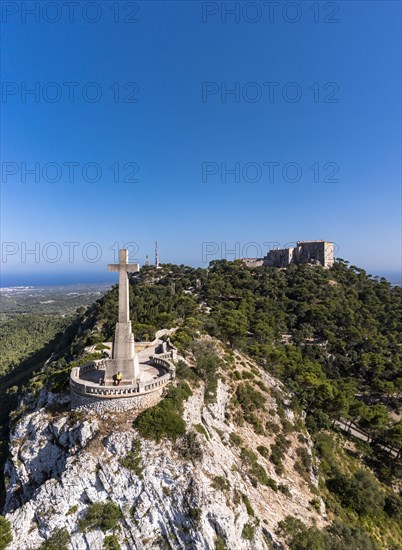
(220, 483)
(194, 514)
(207, 364)
(105, 515)
(85, 359)
(254, 421)
(261, 475)
(281, 412)
(393, 506)
(276, 455)
(256, 471)
(111, 542)
(189, 447)
(249, 399)
(315, 503)
(279, 469)
(303, 465)
(164, 420)
(236, 439)
(95, 338)
(248, 456)
(284, 489)
(158, 422)
(318, 421)
(304, 456)
(248, 532)
(59, 540)
(247, 504)
(35, 386)
(185, 372)
(337, 536)
(220, 543)
(261, 385)
(76, 415)
(350, 537)
(300, 537)
(143, 332)
(272, 483)
(361, 492)
(132, 460)
(282, 443)
(5, 533)
(272, 427)
(182, 338)
(100, 347)
(287, 427)
(263, 451)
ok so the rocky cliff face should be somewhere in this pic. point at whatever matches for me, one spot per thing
(62, 461)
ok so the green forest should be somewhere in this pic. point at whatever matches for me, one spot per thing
(333, 336)
(23, 335)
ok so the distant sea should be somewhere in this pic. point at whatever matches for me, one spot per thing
(58, 279)
(394, 278)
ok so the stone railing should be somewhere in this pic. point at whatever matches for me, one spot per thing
(164, 360)
(109, 392)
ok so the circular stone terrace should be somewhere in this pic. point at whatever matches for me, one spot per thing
(156, 370)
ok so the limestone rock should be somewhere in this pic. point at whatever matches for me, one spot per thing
(60, 463)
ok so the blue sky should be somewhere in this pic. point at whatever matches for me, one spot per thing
(151, 117)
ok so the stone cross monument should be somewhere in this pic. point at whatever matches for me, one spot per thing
(124, 358)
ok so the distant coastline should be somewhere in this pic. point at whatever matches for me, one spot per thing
(36, 288)
(55, 279)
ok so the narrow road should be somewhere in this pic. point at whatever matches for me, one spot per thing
(357, 432)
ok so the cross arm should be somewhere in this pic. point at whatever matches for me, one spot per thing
(113, 267)
(132, 267)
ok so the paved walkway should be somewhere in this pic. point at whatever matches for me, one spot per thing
(148, 372)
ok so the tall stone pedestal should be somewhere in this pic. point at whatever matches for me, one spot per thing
(124, 359)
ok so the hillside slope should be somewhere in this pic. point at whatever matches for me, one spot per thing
(222, 490)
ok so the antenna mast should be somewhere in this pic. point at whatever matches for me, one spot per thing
(156, 254)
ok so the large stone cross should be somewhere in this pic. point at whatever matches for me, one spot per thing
(124, 359)
(123, 267)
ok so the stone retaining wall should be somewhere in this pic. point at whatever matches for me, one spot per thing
(79, 386)
(122, 398)
(93, 403)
